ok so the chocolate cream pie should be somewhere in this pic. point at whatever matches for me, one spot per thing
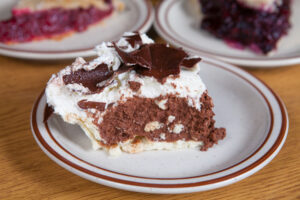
(54, 19)
(136, 96)
(254, 24)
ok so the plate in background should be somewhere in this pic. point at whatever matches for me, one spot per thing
(138, 15)
(179, 24)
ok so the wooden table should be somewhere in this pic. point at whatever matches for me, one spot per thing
(27, 173)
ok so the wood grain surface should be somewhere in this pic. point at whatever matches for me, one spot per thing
(27, 173)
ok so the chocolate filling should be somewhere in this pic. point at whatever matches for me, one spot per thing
(134, 86)
(128, 121)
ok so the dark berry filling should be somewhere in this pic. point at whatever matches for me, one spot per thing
(235, 23)
(49, 23)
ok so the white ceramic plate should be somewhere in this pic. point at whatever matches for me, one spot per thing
(255, 118)
(137, 16)
(180, 26)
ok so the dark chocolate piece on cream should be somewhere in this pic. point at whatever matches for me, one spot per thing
(165, 61)
(134, 40)
(157, 60)
(110, 105)
(89, 79)
(122, 69)
(84, 104)
(138, 58)
(190, 62)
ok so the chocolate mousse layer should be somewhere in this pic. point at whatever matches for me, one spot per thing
(166, 118)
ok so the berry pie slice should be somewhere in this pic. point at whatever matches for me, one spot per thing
(255, 24)
(54, 19)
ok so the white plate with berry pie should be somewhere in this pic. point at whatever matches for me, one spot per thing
(58, 29)
(250, 33)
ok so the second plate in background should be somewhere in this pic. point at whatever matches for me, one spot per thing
(137, 16)
(179, 25)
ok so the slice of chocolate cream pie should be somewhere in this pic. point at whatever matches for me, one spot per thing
(136, 96)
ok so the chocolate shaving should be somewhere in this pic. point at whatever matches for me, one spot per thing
(155, 60)
(134, 40)
(141, 57)
(190, 62)
(84, 104)
(89, 79)
(110, 105)
(122, 69)
(165, 61)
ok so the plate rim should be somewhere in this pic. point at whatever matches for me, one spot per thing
(243, 61)
(260, 162)
(65, 54)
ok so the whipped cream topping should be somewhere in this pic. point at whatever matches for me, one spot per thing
(64, 97)
(269, 5)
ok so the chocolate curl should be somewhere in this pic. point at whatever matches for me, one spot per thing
(89, 79)
(134, 40)
(190, 62)
(140, 57)
(155, 60)
(84, 104)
